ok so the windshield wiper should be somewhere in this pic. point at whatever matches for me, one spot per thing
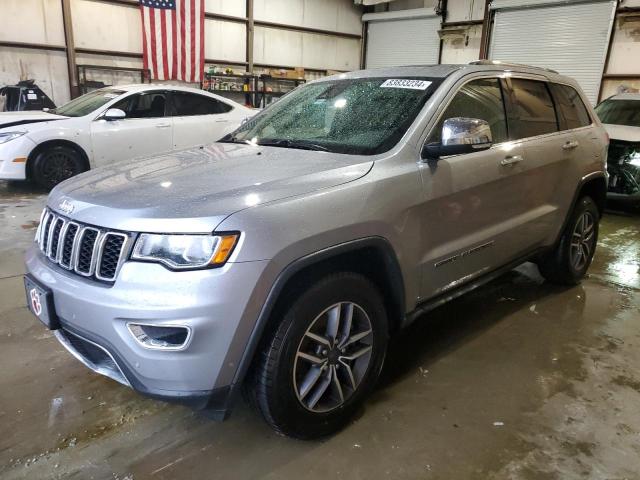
(299, 144)
(230, 138)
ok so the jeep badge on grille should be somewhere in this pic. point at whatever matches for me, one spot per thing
(66, 207)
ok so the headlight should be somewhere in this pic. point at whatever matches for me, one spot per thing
(182, 252)
(8, 136)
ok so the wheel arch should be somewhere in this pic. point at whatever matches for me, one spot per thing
(596, 188)
(373, 257)
(51, 143)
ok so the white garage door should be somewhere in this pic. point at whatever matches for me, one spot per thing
(402, 38)
(571, 38)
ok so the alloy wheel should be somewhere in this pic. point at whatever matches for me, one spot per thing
(333, 357)
(583, 241)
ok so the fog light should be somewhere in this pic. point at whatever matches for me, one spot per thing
(160, 337)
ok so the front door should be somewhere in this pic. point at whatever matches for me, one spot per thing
(146, 130)
(473, 206)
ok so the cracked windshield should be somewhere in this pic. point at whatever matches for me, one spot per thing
(355, 116)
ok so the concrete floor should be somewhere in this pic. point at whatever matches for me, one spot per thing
(519, 380)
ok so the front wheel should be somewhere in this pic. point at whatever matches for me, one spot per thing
(568, 263)
(324, 358)
(55, 164)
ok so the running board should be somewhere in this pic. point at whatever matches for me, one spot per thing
(465, 288)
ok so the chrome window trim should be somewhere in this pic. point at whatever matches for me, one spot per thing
(503, 75)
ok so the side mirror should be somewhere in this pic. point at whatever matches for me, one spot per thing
(114, 114)
(460, 135)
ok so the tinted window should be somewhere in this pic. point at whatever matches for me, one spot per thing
(533, 113)
(186, 104)
(620, 112)
(144, 105)
(477, 99)
(570, 106)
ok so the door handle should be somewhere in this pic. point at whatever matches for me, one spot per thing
(570, 145)
(163, 125)
(511, 160)
(222, 121)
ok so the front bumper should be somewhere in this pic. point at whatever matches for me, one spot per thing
(94, 317)
(13, 157)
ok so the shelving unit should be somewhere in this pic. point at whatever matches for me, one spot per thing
(239, 88)
(118, 76)
(272, 88)
(257, 91)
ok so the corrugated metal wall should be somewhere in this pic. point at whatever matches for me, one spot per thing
(571, 38)
(411, 39)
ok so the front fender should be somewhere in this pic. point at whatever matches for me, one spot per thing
(75, 134)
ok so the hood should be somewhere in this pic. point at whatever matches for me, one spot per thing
(14, 119)
(623, 132)
(194, 190)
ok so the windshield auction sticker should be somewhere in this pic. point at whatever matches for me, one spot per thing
(405, 83)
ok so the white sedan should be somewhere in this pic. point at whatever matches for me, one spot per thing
(111, 124)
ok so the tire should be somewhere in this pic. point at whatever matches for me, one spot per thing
(55, 164)
(299, 397)
(565, 265)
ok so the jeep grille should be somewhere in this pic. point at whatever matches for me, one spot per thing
(86, 250)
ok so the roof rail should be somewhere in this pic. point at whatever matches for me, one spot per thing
(510, 64)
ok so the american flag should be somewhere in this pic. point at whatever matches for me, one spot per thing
(173, 39)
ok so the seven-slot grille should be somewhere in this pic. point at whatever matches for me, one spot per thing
(83, 249)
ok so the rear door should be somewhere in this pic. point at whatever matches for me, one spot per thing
(473, 210)
(199, 119)
(146, 129)
(550, 153)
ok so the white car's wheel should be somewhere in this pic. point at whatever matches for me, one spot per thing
(55, 164)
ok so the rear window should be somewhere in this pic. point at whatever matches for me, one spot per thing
(570, 106)
(533, 113)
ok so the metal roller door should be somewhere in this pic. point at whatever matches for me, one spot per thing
(407, 38)
(571, 38)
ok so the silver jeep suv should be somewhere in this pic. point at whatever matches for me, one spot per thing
(284, 257)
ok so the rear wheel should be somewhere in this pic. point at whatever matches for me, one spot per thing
(568, 263)
(55, 164)
(324, 358)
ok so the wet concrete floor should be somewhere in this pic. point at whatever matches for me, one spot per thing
(519, 380)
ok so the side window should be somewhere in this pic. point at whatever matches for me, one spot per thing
(143, 105)
(480, 99)
(570, 106)
(533, 113)
(187, 104)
